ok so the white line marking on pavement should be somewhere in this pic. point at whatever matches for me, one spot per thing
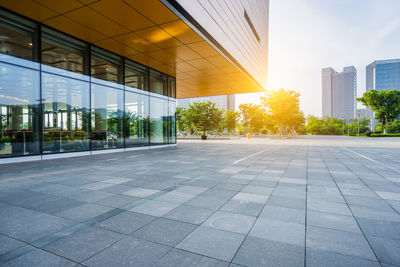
(375, 161)
(249, 156)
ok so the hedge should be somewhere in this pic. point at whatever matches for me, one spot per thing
(385, 135)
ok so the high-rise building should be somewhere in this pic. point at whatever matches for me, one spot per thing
(339, 92)
(382, 75)
(226, 102)
(103, 76)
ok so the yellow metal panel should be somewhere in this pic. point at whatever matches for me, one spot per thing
(116, 47)
(122, 13)
(69, 26)
(154, 10)
(29, 9)
(163, 56)
(203, 49)
(181, 31)
(60, 6)
(159, 37)
(136, 42)
(183, 52)
(94, 20)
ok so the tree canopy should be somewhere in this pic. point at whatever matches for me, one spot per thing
(385, 104)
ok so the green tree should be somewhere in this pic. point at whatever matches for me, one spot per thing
(284, 110)
(385, 104)
(204, 116)
(230, 120)
(181, 121)
(253, 118)
(324, 126)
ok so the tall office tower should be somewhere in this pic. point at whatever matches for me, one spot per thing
(382, 75)
(339, 91)
(85, 76)
(226, 102)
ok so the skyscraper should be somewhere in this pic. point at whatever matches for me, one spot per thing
(339, 92)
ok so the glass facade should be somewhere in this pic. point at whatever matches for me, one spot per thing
(64, 95)
(387, 76)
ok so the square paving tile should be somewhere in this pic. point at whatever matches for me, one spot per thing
(117, 201)
(230, 222)
(164, 231)
(261, 252)
(7, 244)
(213, 243)
(38, 257)
(141, 192)
(285, 232)
(283, 214)
(155, 208)
(332, 221)
(83, 212)
(387, 250)
(189, 214)
(83, 244)
(249, 197)
(243, 207)
(353, 244)
(129, 252)
(175, 197)
(126, 222)
(177, 257)
(317, 258)
(330, 207)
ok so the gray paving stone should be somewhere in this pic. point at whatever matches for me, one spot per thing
(164, 231)
(285, 232)
(126, 222)
(353, 244)
(213, 243)
(177, 257)
(286, 202)
(261, 252)
(243, 207)
(317, 258)
(83, 244)
(39, 257)
(231, 222)
(250, 197)
(330, 207)
(387, 250)
(189, 214)
(154, 208)
(58, 205)
(116, 201)
(129, 252)
(7, 244)
(332, 221)
(386, 229)
(283, 214)
(83, 212)
(374, 214)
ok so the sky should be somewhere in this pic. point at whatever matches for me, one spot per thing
(308, 35)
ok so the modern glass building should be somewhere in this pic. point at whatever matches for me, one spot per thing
(59, 94)
(99, 76)
(226, 102)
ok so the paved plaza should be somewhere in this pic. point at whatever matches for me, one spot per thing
(304, 201)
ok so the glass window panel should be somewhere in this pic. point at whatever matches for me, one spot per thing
(19, 111)
(158, 83)
(61, 51)
(172, 121)
(107, 117)
(65, 114)
(16, 36)
(106, 66)
(135, 76)
(171, 87)
(136, 119)
(158, 121)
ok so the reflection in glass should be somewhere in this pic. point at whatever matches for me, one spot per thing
(135, 76)
(19, 111)
(105, 66)
(62, 51)
(171, 87)
(158, 121)
(136, 119)
(16, 36)
(107, 117)
(158, 83)
(65, 114)
(172, 130)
